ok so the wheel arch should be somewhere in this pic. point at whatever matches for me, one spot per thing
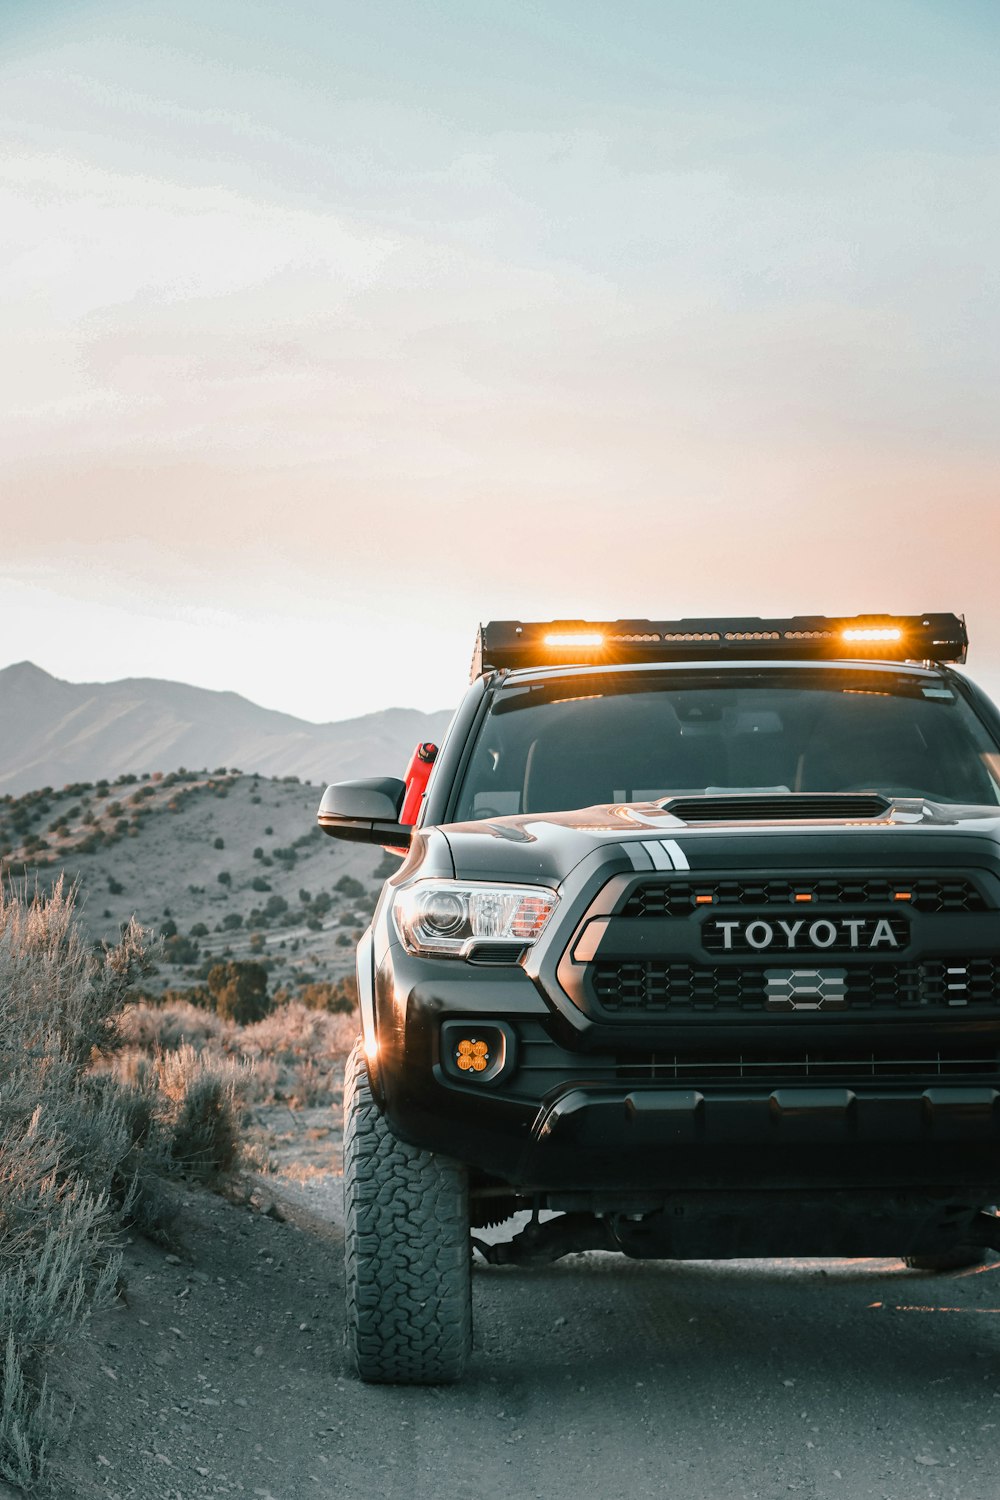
(365, 961)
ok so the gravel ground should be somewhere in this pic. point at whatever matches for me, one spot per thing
(223, 1374)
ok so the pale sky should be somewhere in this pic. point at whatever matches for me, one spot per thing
(328, 330)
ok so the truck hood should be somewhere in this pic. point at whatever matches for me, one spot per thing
(545, 847)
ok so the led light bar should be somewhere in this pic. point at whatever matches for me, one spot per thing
(508, 644)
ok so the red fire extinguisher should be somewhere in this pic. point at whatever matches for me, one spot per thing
(417, 775)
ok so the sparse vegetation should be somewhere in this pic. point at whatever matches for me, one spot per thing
(239, 991)
(179, 949)
(86, 1137)
(287, 893)
(297, 1051)
(340, 997)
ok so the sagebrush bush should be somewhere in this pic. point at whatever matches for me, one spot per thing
(333, 995)
(294, 1055)
(176, 1024)
(239, 990)
(83, 1145)
(202, 1111)
(298, 1053)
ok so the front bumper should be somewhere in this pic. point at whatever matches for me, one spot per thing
(562, 1118)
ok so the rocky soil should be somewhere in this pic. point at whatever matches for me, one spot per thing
(222, 1373)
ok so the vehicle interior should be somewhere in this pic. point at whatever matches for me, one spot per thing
(551, 748)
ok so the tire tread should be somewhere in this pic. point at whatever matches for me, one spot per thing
(407, 1249)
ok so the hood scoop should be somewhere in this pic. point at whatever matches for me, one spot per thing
(777, 807)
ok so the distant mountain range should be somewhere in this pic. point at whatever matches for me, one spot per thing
(53, 732)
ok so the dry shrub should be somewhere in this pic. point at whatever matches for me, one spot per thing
(298, 1054)
(55, 1238)
(82, 1143)
(202, 1111)
(296, 1030)
(165, 1027)
(64, 1152)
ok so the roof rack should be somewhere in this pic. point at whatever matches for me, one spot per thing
(507, 644)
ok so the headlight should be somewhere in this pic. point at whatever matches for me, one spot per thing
(446, 917)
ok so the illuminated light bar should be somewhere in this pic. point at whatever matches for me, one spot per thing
(803, 896)
(703, 900)
(889, 633)
(902, 895)
(505, 645)
(583, 638)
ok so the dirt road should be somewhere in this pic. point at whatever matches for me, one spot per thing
(223, 1375)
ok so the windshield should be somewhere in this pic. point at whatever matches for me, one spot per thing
(576, 741)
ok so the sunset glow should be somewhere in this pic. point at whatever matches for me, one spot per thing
(329, 331)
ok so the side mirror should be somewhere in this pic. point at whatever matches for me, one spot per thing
(366, 812)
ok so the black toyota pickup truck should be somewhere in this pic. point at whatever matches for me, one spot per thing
(695, 945)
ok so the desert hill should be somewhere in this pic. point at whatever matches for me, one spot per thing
(53, 732)
(218, 865)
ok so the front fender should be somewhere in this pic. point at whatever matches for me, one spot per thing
(366, 1005)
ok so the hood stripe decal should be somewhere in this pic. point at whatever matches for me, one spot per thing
(677, 854)
(659, 855)
(666, 854)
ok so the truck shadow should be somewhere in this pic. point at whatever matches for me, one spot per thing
(733, 1325)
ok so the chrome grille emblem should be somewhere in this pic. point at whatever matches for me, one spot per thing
(806, 989)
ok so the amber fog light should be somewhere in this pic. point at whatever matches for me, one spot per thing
(474, 1052)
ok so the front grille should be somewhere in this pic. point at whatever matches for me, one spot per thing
(659, 988)
(677, 898)
(963, 1060)
(775, 808)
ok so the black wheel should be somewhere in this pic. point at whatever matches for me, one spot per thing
(407, 1247)
(947, 1260)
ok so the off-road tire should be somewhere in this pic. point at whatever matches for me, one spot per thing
(947, 1260)
(408, 1249)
